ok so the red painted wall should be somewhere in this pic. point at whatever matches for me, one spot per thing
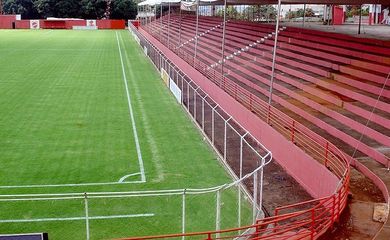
(314, 177)
(135, 23)
(111, 24)
(58, 24)
(70, 24)
(338, 15)
(23, 24)
(6, 21)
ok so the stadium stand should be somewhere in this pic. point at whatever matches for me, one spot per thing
(334, 84)
(331, 86)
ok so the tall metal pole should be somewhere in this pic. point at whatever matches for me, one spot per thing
(304, 14)
(197, 26)
(223, 37)
(155, 11)
(169, 19)
(180, 27)
(360, 19)
(161, 9)
(274, 53)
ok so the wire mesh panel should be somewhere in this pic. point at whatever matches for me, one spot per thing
(199, 106)
(208, 110)
(233, 147)
(219, 130)
(191, 99)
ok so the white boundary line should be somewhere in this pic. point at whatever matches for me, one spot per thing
(76, 218)
(140, 161)
(126, 176)
(138, 148)
(68, 185)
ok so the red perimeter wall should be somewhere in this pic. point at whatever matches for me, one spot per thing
(23, 24)
(6, 21)
(111, 24)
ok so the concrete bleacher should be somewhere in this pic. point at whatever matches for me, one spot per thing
(328, 82)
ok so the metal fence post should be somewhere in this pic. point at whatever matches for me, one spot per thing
(254, 197)
(188, 95)
(218, 214)
(239, 207)
(195, 92)
(261, 183)
(225, 139)
(183, 219)
(182, 89)
(212, 123)
(86, 215)
(203, 100)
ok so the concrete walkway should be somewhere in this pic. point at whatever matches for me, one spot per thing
(374, 31)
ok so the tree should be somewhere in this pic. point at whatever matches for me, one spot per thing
(68, 8)
(299, 13)
(261, 12)
(24, 7)
(46, 8)
(123, 9)
(93, 9)
(231, 12)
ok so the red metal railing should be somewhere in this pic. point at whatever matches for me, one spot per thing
(303, 220)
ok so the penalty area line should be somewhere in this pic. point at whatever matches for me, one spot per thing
(138, 148)
(76, 218)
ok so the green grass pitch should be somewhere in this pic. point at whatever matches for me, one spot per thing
(65, 127)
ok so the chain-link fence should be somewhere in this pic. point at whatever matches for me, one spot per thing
(105, 215)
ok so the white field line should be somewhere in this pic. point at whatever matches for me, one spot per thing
(67, 185)
(140, 161)
(156, 158)
(76, 218)
(126, 176)
(121, 180)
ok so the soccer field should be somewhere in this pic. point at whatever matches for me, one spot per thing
(86, 111)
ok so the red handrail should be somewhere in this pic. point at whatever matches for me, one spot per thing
(315, 220)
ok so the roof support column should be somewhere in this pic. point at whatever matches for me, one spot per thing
(274, 53)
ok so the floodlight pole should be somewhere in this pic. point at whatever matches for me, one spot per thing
(197, 26)
(274, 53)
(304, 14)
(223, 37)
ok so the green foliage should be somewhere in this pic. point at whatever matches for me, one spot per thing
(354, 10)
(126, 9)
(23, 7)
(261, 12)
(299, 13)
(87, 9)
(58, 8)
(231, 12)
(93, 9)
